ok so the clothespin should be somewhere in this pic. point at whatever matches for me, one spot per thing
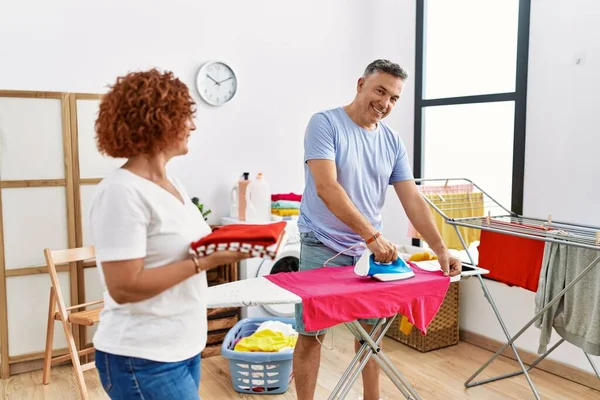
(598, 238)
(446, 184)
(546, 225)
(489, 218)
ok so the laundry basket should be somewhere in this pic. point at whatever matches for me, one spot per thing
(257, 372)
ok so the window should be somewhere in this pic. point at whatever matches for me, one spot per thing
(469, 47)
(473, 141)
(470, 93)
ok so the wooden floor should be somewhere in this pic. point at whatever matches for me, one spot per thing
(435, 375)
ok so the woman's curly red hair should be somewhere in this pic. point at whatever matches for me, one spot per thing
(143, 113)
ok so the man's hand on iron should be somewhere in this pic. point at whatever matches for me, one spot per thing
(450, 264)
(383, 250)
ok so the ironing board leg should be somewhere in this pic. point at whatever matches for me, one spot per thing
(387, 365)
(367, 345)
(349, 377)
(346, 379)
(368, 349)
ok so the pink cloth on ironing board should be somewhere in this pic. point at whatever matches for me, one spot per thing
(334, 295)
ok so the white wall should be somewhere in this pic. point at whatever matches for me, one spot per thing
(292, 59)
(562, 122)
(393, 37)
(562, 114)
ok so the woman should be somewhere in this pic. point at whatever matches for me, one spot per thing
(153, 326)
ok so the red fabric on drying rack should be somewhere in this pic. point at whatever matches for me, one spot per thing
(257, 237)
(513, 260)
(334, 295)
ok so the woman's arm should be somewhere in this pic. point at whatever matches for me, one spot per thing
(119, 218)
(128, 281)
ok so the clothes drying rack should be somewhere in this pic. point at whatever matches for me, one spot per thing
(497, 218)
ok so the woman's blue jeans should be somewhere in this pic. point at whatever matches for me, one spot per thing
(136, 378)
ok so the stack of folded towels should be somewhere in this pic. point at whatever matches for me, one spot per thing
(285, 205)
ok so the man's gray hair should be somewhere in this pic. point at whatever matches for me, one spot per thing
(388, 67)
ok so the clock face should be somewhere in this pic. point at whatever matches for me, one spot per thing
(216, 83)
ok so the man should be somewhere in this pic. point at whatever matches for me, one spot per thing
(351, 157)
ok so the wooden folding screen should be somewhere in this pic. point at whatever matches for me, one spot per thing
(88, 169)
(48, 168)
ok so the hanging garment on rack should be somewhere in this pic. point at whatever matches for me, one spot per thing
(436, 189)
(454, 205)
(575, 317)
(512, 260)
(443, 190)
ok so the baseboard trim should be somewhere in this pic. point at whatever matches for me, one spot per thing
(35, 361)
(553, 367)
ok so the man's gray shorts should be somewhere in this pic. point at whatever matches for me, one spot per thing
(313, 255)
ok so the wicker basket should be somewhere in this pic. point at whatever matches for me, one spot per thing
(442, 332)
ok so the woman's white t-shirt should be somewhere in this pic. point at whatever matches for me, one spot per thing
(132, 217)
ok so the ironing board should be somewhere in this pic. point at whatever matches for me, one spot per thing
(261, 291)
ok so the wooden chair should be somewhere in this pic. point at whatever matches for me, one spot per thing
(76, 315)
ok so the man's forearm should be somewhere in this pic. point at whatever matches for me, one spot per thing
(420, 216)
(336, 199)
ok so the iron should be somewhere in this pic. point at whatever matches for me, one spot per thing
(394, 271)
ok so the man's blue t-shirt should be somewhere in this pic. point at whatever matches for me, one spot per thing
(367, 162)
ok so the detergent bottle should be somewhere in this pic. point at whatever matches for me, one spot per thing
(258, 200)
(238, 198)
(234, 207)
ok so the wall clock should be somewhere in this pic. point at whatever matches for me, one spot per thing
(216, 83)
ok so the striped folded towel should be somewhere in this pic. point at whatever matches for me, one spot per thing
(261, 240)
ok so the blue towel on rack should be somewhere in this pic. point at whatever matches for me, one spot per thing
(575, 317)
